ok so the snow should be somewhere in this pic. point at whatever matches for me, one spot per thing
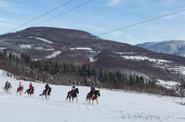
(114, 106)
(92, 59)
(143, 58)
(44, 40)
(41, 39)
(2, 48)
(160, 63)
(25, 46)
(81, 48)
(180, 69)
(124, 53)
(54, 54)
(42, 48)
(168, 84)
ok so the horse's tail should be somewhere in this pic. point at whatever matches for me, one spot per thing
(88, 97)
(68, 96)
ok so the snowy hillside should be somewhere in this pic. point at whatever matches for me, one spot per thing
(175, 47)
(114, 106)
(76, 47)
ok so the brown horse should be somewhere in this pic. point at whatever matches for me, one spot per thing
(73, 94)
(30, 91)
(92, 96)
(20, 90)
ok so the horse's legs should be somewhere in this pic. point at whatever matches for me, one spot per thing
(68, 97)
(72, 99)
(89, 100)
(20, 93)
(76, 99)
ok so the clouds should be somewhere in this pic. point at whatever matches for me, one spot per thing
(9, 6)
(113, 2)
(5, 22)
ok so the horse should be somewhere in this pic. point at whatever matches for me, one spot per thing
(72, 94)
(30, 91)
(46, 92)
(91, 96)
(20, 90)
(7, 86)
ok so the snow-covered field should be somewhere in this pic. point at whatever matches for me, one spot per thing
(166, 64)
(54, 54)
(41, 39)
(114, 106)
(142, 58)
(44, 40)
(45, 49)
(82, 48)
(168, 84)
(25, 46)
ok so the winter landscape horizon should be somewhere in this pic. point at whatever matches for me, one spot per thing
(92, 60)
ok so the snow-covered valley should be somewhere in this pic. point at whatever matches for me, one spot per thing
(114, 106)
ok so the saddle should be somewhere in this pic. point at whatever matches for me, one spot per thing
(20, 89)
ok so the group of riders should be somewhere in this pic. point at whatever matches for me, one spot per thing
(91, 96)
(29, 91)
(71, 95)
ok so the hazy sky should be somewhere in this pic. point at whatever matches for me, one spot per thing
(100, 16)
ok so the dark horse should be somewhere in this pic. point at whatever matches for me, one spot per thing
(72, 94)
(20, 90)
(46, 92)
(91, 96)
(7, 86)
(30, 91)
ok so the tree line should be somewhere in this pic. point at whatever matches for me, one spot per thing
(58, 72)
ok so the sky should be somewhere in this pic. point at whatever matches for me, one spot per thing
(100, 16)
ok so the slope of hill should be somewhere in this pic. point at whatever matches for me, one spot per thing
(169, 47)
(114, 106)
(79, 47)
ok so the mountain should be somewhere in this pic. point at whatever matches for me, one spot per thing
(114, 106)
(168, 47)
(80, 47)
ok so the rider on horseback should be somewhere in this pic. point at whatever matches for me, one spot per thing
(73, 93)
(20, 85)
(20, 88)
(47, 90)
(93, 94)
(7, 86)
(30, 90)
(30, 86)
(73, 88)
(93, 89)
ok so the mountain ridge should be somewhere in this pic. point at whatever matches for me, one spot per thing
(80, 47)
(174, 47)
